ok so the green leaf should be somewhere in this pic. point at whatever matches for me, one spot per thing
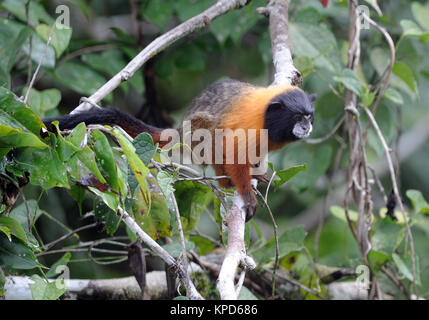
(86, 157)
(340, 213)
(304, 64)
(60, 37)
(137, 166)
(78, 136)
(397, 213)
(14, 227)
(193, 198)
(188, 8)
(155, 222)
(14, 254)
(23, 216)
(44, 290)
(23, 117)
(291, 240)
(11, 41)
(175, 248)
(15, 135)
(36, 12)
(235, 23)
(307, 15)
(421, 14)
(158, 12)
(410, 28)
(104, 213)
(165, 181)
(109, 198)
(388, 236)
(419, 203)
(287, 174)
(405, 268)
(104, 156)
(80, 78)
(204, 245)
(42, 101)
(78, 194)
(350, 80)
(109, 62)
(58, 267)
(299, 154)
(4, 77)
(367, 96)
(14, 30)
(404, 72)
(393, 95)
(317, 43)
(6, 231)
(48, 171)
(377, 259)
(190, 58)
(380, 60)
(2, 282)
(145, 148)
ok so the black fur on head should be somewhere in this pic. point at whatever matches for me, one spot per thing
(285, 111)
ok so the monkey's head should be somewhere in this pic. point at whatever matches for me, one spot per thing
(289, 115)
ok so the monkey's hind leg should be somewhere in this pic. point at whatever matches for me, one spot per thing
(240, 178)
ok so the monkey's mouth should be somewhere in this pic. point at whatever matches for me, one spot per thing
(301, 132)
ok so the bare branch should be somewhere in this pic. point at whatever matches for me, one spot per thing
(235, 253)
(183, 244)
(285, 71)
(33, 79)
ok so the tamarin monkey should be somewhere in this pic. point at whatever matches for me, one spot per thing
(286, 112)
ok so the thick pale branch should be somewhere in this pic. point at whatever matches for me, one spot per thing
(235, 253)
(285, 71)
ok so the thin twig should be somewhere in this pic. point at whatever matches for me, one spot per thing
(397, 194)
(386, 74)
(182, 243)
(53, 243)
(33, 79)
(329, 135)
(276, 239)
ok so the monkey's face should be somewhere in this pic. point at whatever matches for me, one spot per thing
(303, 125)
(290, 115)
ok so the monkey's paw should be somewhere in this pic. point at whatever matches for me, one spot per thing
(250, 209)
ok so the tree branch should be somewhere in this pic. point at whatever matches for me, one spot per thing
(285, 71)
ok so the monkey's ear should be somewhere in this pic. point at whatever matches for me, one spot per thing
(312, 97)
(275, 104)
